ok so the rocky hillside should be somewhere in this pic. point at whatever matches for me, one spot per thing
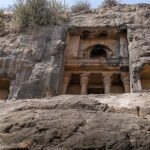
(76, 123)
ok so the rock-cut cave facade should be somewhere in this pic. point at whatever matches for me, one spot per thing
(96, 61)
(101, 52)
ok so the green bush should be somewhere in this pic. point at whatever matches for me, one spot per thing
(110, 3)
(37, 12)
(80, 6)
(2, 24)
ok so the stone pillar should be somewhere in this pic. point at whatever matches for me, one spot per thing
(84, 80)
(107, 82)
(126, 82)
(66, 80)
(139, 86)
(11, 89)
(123, 46)
(136, 81)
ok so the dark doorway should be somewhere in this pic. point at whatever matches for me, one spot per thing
(4, 88)
(145, 77)
(95, 90)
(117, 84)
(74, 85)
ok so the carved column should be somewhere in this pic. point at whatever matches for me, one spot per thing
(137, 81)
(66, 80)
(107, 82)
(123, 45)
(11, 89)
(126, 82)
(84, 80)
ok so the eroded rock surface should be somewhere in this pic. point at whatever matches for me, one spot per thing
(33, 60)
(94, 122)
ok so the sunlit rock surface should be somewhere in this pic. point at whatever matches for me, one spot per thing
(77, 123)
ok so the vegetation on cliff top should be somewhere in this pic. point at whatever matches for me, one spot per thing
(1, 19)
(28, 13)
(80, 6)
(109, 3)
(37, 12)
(85, 5)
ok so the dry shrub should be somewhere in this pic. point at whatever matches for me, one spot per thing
(80, 6)
(37, 12)
(109, 3)
(2, 24)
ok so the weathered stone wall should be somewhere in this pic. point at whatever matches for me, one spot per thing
(32, 61)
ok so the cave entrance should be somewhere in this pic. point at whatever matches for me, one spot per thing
(4, 88)
(117, 84)
(145, 78)
(96, 84)
(74, 85)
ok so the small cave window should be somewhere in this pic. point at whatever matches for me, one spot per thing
(102, 35)
(123, 29)
(85, 34)
(98, 51)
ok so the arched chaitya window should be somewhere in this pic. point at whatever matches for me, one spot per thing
(98, 51)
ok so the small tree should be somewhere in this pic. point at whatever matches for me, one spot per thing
(110, 3)
(80, 6)
(21, 14)
(2, 24)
